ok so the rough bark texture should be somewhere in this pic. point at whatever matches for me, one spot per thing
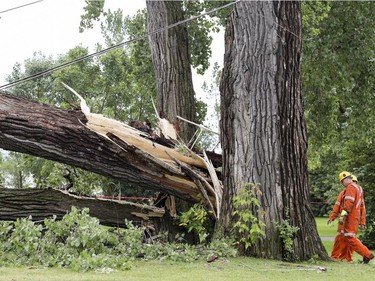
(60, 135)
(45, 203)
(263, 129)
(171, 59)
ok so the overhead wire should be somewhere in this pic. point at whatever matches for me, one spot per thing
(98, 53)
(18, 7)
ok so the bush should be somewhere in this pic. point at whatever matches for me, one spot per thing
(79, 242)
(368, 238)
(247, 228)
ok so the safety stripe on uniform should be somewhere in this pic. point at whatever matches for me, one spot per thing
(349, 198)
(359, 203)
(350, 234)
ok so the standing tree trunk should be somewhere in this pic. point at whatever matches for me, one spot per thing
(263, 129)
(171, 59)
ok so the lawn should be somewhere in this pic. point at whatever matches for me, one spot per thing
(233, 269)
(327, 232)
(324, 229)
(223, 269)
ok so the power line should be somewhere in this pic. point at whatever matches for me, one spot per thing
(15, 8)
(42, 73)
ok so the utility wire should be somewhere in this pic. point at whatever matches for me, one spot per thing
(15, 8)
(6, 86)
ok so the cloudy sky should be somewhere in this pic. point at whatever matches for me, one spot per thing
(49, 26)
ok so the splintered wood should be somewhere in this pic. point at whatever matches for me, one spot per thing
(200, 170)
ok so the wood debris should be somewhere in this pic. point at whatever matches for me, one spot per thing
(175, 162)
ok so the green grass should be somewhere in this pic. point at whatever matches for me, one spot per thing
(237, 269)
(233, 269)
(324, 229)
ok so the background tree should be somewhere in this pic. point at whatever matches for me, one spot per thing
(12, 173)
(263, 131)
(339, 73)
(172, 64)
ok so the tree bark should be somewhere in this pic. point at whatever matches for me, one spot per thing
(171, 59)
(60, 135)
(263, 129)
(45, 203)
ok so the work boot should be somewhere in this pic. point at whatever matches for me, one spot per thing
(366, 260)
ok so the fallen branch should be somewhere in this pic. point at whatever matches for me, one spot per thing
(45, 203)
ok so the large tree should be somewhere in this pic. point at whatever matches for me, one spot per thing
(263, 129)
(171, 59)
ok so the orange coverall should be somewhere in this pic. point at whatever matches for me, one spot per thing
(353, 203)
(340, 249)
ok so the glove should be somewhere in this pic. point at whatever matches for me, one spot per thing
(362, 227)
(329, 221)
(344, 213)
(343, 216)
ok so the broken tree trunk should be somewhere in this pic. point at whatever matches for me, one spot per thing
(45, 203)
(99, 144)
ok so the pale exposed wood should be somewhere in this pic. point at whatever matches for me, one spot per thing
(165, 127)
(170, 167)
(170, 205)
(202, 185)
(104, 126)
(217, 184)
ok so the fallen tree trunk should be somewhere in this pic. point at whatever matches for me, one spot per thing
(61, 135)
(45, 203)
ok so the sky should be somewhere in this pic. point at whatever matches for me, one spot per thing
(51, 27)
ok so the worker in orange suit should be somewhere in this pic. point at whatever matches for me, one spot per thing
(351, 215)
(341, 250)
